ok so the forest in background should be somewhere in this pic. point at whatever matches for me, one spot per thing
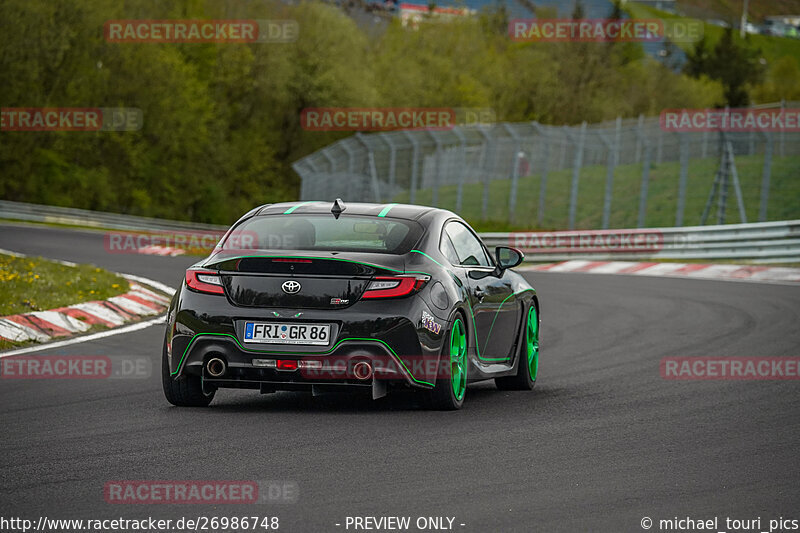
(222, 121)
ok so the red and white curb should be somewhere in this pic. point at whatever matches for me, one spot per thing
(678, 270)
(41, 326)
(160, 250)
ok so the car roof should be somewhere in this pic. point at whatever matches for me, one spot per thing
(390, 210)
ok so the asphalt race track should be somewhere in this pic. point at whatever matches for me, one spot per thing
(602, 442)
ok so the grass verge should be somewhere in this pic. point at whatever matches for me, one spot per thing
(36, 284)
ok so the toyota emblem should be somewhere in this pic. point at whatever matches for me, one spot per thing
(291, 287)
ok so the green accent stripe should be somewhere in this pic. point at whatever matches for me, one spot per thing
(386, 210)
(291, 209)
(498, 312)
(331, 350)
(429, 257)
(474, 325)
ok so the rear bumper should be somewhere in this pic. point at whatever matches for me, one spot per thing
(248, 368)
(387, 333)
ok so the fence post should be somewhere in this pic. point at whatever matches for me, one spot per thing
(683, 140)
(460, 191)
(385, 137)
(483, 165)
(704, 149)
(437, 169)
(576, 170)
(412, 194)
(737, 188)
(376, 188)
(660, 145)
(648, 148)
(765, 177)
(639, 137)
(783, 131)
(512, 195)
(330, 192)
(545, 166)
(611, 162)
(306, 190)
(351, 170)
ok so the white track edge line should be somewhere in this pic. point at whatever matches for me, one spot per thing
(85, 338)
(671, 276)
(100, 334)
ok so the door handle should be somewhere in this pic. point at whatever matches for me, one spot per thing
(480, 294)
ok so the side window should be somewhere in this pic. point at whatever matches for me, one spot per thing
(467, 247)
(446, 247)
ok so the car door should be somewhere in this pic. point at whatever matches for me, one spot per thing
(494, 307)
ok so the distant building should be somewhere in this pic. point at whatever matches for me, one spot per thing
(413, 14)
(790, 20)
(664, 5)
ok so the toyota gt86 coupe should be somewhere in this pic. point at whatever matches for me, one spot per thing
(323, 296)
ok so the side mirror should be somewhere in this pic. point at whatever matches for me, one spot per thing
(508, 257)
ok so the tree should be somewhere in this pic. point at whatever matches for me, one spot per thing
(732, 61)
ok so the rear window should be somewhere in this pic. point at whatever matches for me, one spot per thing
(325, 233)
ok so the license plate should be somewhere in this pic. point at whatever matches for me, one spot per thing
(281, 333)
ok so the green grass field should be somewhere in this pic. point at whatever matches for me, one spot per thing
(35, 284)
(783, 204)
(772, 48)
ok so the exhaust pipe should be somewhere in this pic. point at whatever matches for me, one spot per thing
(215, 367)
(362, 370)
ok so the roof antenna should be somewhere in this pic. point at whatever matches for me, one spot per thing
(338, 207)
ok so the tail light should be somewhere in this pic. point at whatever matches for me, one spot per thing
(203, 281)
(394, 286)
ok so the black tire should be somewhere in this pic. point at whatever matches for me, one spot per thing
(443, 396)
(522, 380)
(185, 391)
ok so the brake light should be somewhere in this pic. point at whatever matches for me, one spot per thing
(201, 281)
(395, 286)
(291, 260)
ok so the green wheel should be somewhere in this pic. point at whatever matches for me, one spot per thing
(532, 343)
(451, 384)
(528, 367)
(458, 359)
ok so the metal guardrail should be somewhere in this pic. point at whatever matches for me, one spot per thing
(95, 219)
(761, 242)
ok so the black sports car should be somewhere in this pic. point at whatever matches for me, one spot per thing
(325, 296)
